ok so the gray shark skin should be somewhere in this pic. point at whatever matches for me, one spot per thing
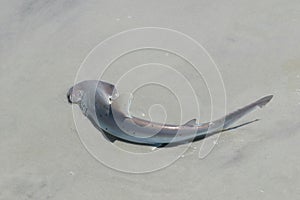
(109, 112)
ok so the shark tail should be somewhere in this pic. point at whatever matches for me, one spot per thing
(236, 115)
(231, 118)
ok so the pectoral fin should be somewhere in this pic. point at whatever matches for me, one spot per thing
(109, 137)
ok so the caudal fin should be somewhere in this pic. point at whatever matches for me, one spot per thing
(263, 101)
(236, 115)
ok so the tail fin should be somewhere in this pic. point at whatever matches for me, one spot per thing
(236, 115)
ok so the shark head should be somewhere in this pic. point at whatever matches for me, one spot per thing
(91, 93)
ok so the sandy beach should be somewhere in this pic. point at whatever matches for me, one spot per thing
(255, 45)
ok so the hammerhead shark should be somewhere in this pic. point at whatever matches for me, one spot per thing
(109, 112)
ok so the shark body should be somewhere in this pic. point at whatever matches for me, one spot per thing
(109, 112)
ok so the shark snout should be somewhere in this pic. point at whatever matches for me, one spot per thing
(69, 95)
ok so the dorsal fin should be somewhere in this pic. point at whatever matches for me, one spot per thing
(108, 88)
(121, 104)
(192, 122)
